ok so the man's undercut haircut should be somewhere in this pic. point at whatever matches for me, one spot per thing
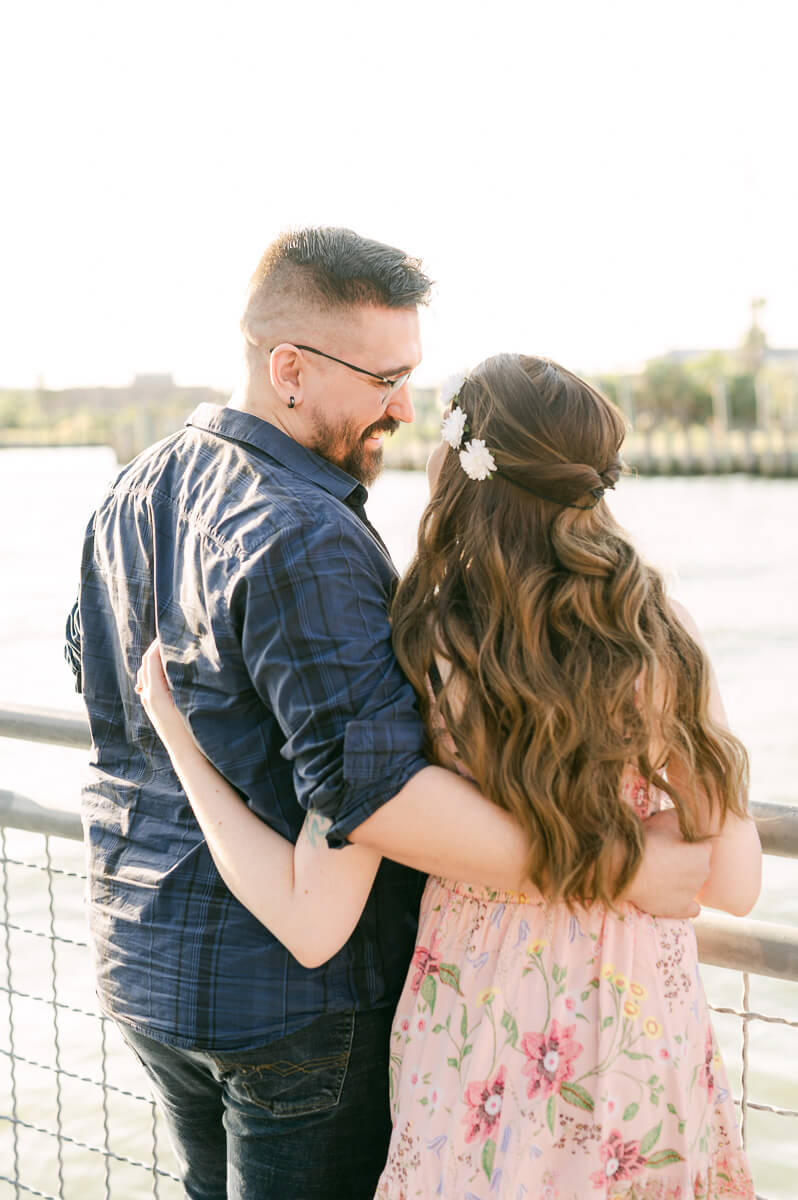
(326, 269)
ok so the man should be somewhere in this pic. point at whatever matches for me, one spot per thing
(243, 543)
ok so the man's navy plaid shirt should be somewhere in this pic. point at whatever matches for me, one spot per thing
(253, 561)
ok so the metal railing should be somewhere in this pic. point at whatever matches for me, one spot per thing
(748, 946)
(45, 980)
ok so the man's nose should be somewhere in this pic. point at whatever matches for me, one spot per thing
(400, 404)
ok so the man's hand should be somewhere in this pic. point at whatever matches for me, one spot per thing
(672, 872)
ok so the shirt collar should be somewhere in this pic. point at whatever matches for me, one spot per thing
(237, 426)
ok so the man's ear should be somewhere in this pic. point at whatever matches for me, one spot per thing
(286, 373)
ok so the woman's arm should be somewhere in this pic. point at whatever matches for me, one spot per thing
(735, 870)
(424, 826)
(308, 895)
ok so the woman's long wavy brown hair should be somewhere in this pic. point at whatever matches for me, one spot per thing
(566, 662)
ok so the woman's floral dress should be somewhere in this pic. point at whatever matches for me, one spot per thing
(548, 1055)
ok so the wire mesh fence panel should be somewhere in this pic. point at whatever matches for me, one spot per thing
(76, 1119)
(767, 1105)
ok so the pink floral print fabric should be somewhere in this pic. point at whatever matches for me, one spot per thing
(543, 1054)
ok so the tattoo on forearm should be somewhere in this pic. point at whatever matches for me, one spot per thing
(316, 827)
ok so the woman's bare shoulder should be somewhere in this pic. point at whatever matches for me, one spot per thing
(685, 619)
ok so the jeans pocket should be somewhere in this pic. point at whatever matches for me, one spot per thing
(298, 1075)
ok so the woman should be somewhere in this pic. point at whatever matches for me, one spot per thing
(555, 1043)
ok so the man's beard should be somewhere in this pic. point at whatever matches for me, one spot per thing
(343, 445)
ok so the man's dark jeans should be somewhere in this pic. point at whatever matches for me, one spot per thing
(303, 1118)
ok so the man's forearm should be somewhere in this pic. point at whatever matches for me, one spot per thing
(441, 824)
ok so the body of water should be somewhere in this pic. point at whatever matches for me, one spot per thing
(729, 548)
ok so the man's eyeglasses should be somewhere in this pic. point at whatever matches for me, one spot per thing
(391, 384)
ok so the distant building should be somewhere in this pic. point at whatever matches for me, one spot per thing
(163, 384)
(144, 391)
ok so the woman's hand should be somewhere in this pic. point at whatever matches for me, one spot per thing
(153, 688)
(672, 871)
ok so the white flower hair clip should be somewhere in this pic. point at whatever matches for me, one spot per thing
(451, 387)
(475, 457)
(453, 427)
(477, 460)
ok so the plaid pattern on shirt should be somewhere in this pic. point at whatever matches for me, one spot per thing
(253, 560)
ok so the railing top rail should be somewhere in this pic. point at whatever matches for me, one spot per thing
(758, 947)
(34, 724)
(778, 828)
(777, 823)
(20, 812)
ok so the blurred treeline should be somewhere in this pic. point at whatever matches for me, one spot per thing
(711, 391)
(711, 395)
(126, 418)
(665, 392)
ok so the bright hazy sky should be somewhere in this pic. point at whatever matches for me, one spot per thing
(596, 181)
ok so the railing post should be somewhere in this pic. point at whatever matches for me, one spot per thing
(11, 1031)
(59, 1108)
(744, 1075)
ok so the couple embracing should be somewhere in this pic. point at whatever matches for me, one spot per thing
(523, 736)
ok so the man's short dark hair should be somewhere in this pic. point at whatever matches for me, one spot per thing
(327, 268)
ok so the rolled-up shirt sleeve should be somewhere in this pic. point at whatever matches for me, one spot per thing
(316, 638)
(72, 646)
